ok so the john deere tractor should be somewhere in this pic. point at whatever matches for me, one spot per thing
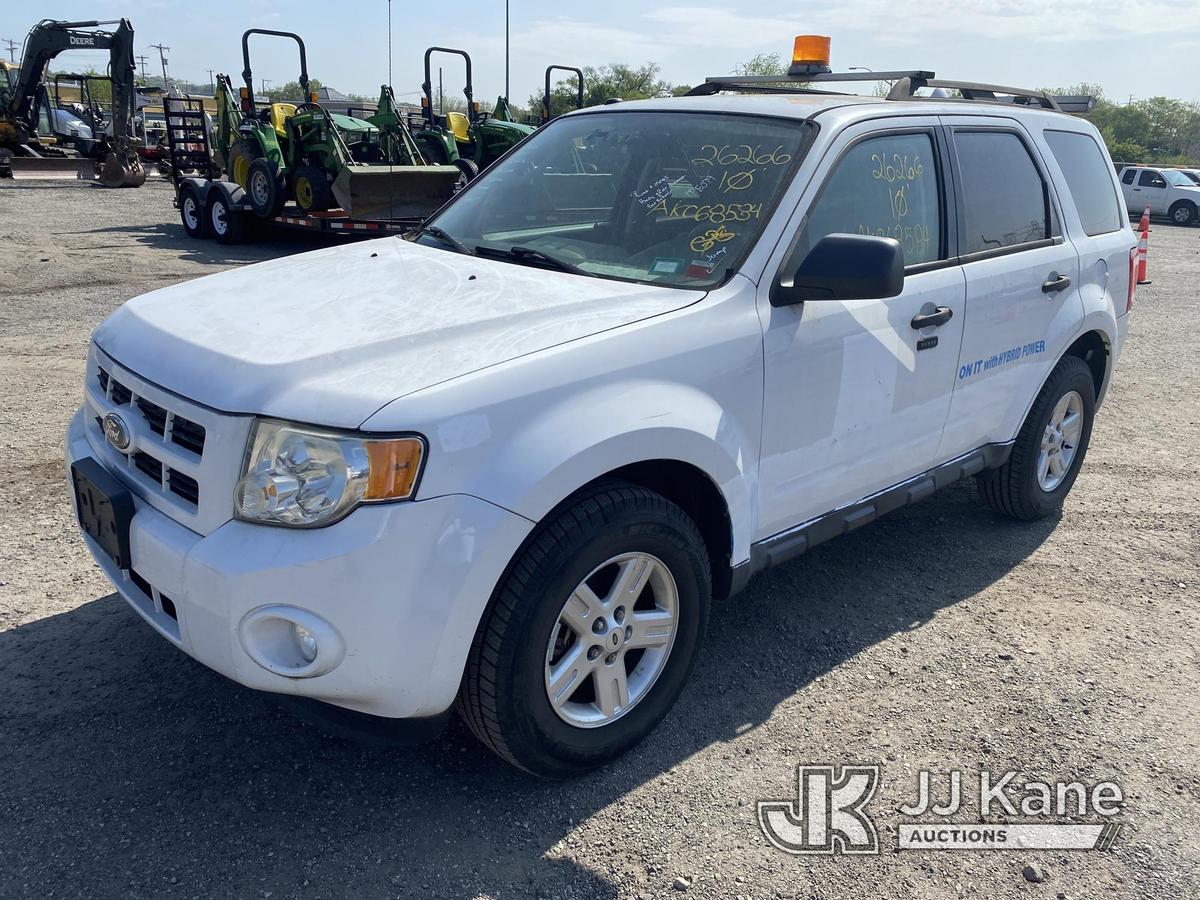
(372, 169)
(472, 140)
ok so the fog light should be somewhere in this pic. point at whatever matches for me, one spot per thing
(306, 641)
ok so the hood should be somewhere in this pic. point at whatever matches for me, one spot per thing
(329, 337)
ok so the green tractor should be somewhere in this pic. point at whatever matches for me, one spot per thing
(472, 140)
(371, 168)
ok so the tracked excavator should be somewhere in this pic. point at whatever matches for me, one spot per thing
(28, 148)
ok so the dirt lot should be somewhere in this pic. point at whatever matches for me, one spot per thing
(1065, 649)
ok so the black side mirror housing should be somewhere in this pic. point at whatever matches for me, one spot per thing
(845, 267)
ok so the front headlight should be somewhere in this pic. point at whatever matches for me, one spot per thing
(304, 477)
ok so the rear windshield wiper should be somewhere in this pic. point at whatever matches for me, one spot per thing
(523, 254)
(448, 239)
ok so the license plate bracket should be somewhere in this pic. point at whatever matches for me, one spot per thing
(105, 508)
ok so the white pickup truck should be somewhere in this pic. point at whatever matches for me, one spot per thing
(1168, 192)
(657, 348)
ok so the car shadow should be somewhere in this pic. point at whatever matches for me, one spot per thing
(263, 243)
(130, 768)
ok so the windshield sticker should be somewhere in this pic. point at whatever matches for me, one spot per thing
(665, 265)
(1001, 359)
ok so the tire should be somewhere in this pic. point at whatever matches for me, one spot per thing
(469, 170)
(590, 539)
(312, 190)
(1183, 213)
(192, 214)
(228, 225)
(266, 189)
(237, 167)
(1027, 487)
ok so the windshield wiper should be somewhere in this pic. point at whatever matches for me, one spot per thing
(523, 254)
(448, 239)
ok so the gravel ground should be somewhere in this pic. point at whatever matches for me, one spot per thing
(1060, 649)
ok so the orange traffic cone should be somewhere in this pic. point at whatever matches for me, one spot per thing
(1144, 248)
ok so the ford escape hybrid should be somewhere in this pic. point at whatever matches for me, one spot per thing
(660, 346)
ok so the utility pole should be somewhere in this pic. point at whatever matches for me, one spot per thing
(265, 82)
(212, 85)
(506, 50)
(12, 48)
(142, 63)
(162, 58)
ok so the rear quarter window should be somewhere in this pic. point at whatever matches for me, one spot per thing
(1004, 198)
(1088, 179)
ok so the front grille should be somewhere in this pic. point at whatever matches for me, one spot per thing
(164, 424)
(184, 486)
(181, 431)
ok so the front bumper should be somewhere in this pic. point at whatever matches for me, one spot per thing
(402, 586)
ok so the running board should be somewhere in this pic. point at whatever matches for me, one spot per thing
(795, 541)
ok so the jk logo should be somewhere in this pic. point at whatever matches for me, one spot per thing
(827, 815)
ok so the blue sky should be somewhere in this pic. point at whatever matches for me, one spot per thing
(1133, 47)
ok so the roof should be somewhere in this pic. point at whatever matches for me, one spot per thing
(838, 109)
(327, 93)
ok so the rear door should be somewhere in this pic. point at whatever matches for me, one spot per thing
(1022, 297)
(1128, 177)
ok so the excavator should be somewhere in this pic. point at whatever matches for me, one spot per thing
(27, 145)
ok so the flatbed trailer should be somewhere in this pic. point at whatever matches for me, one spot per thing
(211, 206)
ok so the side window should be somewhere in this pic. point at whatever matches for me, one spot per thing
(885, 186)
(1127, 178)
(1151, 179)
(1089, 179)
(1004, 199)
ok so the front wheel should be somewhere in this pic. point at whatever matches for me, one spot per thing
(1049, 449)
(591, 633)
(192, 213)
(266, 188)
(1183, 213)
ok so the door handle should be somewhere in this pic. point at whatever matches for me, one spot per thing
(1055, 283)
(939, 316)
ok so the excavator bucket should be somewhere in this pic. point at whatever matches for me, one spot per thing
(122, 170)
(394, 192)
(45, 168)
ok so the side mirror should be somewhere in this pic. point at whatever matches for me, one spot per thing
(845, 267)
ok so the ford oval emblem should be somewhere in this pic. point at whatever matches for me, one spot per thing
(116, 432)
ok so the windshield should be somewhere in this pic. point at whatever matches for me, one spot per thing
(662, 198)
(1178, 179)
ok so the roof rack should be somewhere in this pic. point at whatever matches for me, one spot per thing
(905, 87)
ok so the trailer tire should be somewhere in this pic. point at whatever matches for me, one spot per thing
(228, 224)
(192, 213)
(266, 189)
(312, 190)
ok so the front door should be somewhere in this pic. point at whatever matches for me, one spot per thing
(856, 396)
(1150, 189)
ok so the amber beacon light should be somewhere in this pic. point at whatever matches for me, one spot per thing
(810, 55)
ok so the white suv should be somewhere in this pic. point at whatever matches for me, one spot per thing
(657, 348)
(1167, 192)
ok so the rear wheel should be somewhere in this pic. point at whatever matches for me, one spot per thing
(266, 189)
(312, 190)
(228, 224)
(591, 634)
(1049, 449)
(192, 213)
(468, 169)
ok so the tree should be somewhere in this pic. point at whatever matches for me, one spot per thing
(762, 64)
(605, 83)
(289, 91)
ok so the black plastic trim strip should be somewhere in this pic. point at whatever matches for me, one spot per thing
(795, 541)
